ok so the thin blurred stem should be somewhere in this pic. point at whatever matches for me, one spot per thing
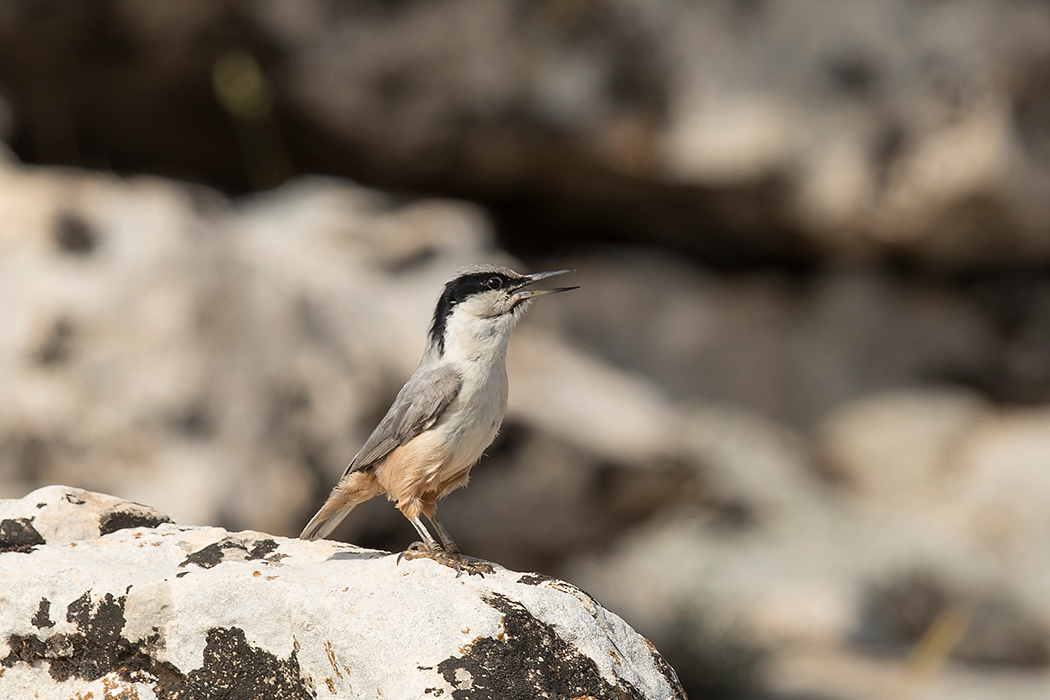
(932, 651)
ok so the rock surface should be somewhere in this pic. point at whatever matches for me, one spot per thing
(107, 597)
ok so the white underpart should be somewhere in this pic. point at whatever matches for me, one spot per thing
(477, 348)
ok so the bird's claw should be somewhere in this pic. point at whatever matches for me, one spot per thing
(453, 560)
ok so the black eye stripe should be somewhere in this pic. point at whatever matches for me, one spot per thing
(458, 290)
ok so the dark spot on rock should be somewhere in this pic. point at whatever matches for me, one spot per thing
(734, 516)
(58, 347)
(96, 648)
(74, 499)
(102, 622)
(235, 669)
(124, 518)
(262, 548)
(74, 235)
(181, 574)
(886, 146)
(42, 618)
(29, 650)
(41, 505)
(534, 579)
(900, 608)
(19, 535)
(529, 661)
(213, 554)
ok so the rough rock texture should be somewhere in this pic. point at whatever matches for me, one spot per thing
(150, 609)
(734, 127)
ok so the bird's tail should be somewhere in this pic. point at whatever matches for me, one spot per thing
(326, 520)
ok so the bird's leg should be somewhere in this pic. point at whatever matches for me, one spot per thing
(442, 533)
(428, 539)
(461, 562)
(420, 549)
(446, 552)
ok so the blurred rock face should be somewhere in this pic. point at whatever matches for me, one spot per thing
(734, 128)
(793, 347)
(162, 344)
(226, 361)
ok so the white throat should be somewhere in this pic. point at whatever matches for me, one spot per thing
(472, 339)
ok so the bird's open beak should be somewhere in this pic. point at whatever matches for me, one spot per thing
(530, 279)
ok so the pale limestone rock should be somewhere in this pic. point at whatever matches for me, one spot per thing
(156, 610)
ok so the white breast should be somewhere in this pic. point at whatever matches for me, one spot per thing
(473, 420)
(471, 423)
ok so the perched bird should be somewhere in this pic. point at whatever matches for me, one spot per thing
(445, 416)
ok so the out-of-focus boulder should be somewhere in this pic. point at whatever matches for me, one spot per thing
(932, 530)
(897, 448)
(102, 287)
(813, 599)
(1001, 502)
(226, 362)
(791, 348)
(164, 346)
(950, 461)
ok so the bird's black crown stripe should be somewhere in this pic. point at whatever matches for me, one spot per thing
(458, 290)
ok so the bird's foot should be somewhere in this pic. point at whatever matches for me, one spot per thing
(453, 560)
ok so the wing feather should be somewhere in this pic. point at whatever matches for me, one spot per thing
(417, 408)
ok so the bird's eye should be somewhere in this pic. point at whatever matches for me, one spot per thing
(494, 283)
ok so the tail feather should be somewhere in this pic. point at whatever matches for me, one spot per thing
(325, 520)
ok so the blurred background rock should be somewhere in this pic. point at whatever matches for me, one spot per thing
(795, 427)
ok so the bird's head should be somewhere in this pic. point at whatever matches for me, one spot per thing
(485, 300)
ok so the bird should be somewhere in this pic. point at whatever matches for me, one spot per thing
(448, 412)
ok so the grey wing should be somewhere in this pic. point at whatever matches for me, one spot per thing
(417, 408)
